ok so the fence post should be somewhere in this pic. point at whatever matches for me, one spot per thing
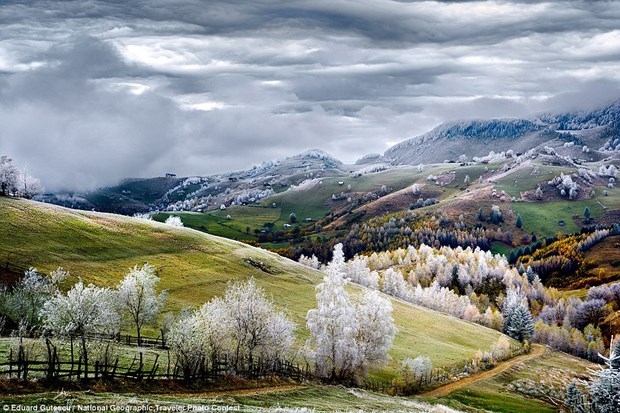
(10, 363)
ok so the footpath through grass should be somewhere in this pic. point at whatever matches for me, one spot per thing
(534, 385)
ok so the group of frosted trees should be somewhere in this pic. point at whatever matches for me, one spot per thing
(468, 284)
(37, 305)
(241, 332)
(478, 286)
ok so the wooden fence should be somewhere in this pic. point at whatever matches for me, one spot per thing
(52, 367)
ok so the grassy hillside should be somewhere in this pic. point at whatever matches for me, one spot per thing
(193, 266)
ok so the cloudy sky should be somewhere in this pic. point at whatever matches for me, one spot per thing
(98, 90)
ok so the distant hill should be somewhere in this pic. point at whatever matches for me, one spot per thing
(598, 129)
(203, 192)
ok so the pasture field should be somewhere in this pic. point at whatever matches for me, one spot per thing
(194, 267)
(216, 222)
(528, 177)
(543, 219)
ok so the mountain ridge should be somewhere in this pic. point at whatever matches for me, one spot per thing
(518, 134)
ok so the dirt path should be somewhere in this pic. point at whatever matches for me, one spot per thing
(537, 351)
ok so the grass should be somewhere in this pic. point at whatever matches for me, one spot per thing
(194, 267)
(282, 397)
(491, 399)
(527, 387)
(542, 219)
(500, 248)
(216, 222)
(526, 179)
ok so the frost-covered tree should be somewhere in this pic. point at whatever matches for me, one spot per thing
(312, 262)
(29, 186)
(333, 328)
(614, 361)
(337, 264)
(394, 284)
(609, 171)
(520, 325)
(496, 216)
(82, 311)
(22, 304)
(257, 329)
(518, 320)
(174, 221)
(137, 299)
(241, 328)
(9, 176)
(358, 272)
(539, 193)
(186, 339)
(347, 339)
(414, 371)
(416, 188)
(375, 331)
(566, 185)
(605, 388)
(576, 399)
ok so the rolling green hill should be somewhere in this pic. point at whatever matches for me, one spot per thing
(194, 266)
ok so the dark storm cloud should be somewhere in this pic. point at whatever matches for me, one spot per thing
(95, 91)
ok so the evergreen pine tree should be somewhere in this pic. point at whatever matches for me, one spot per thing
(520, 324)
(518, 320)
(519, 223)
(575, 399)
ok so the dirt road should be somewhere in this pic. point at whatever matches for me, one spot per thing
(537, 351)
